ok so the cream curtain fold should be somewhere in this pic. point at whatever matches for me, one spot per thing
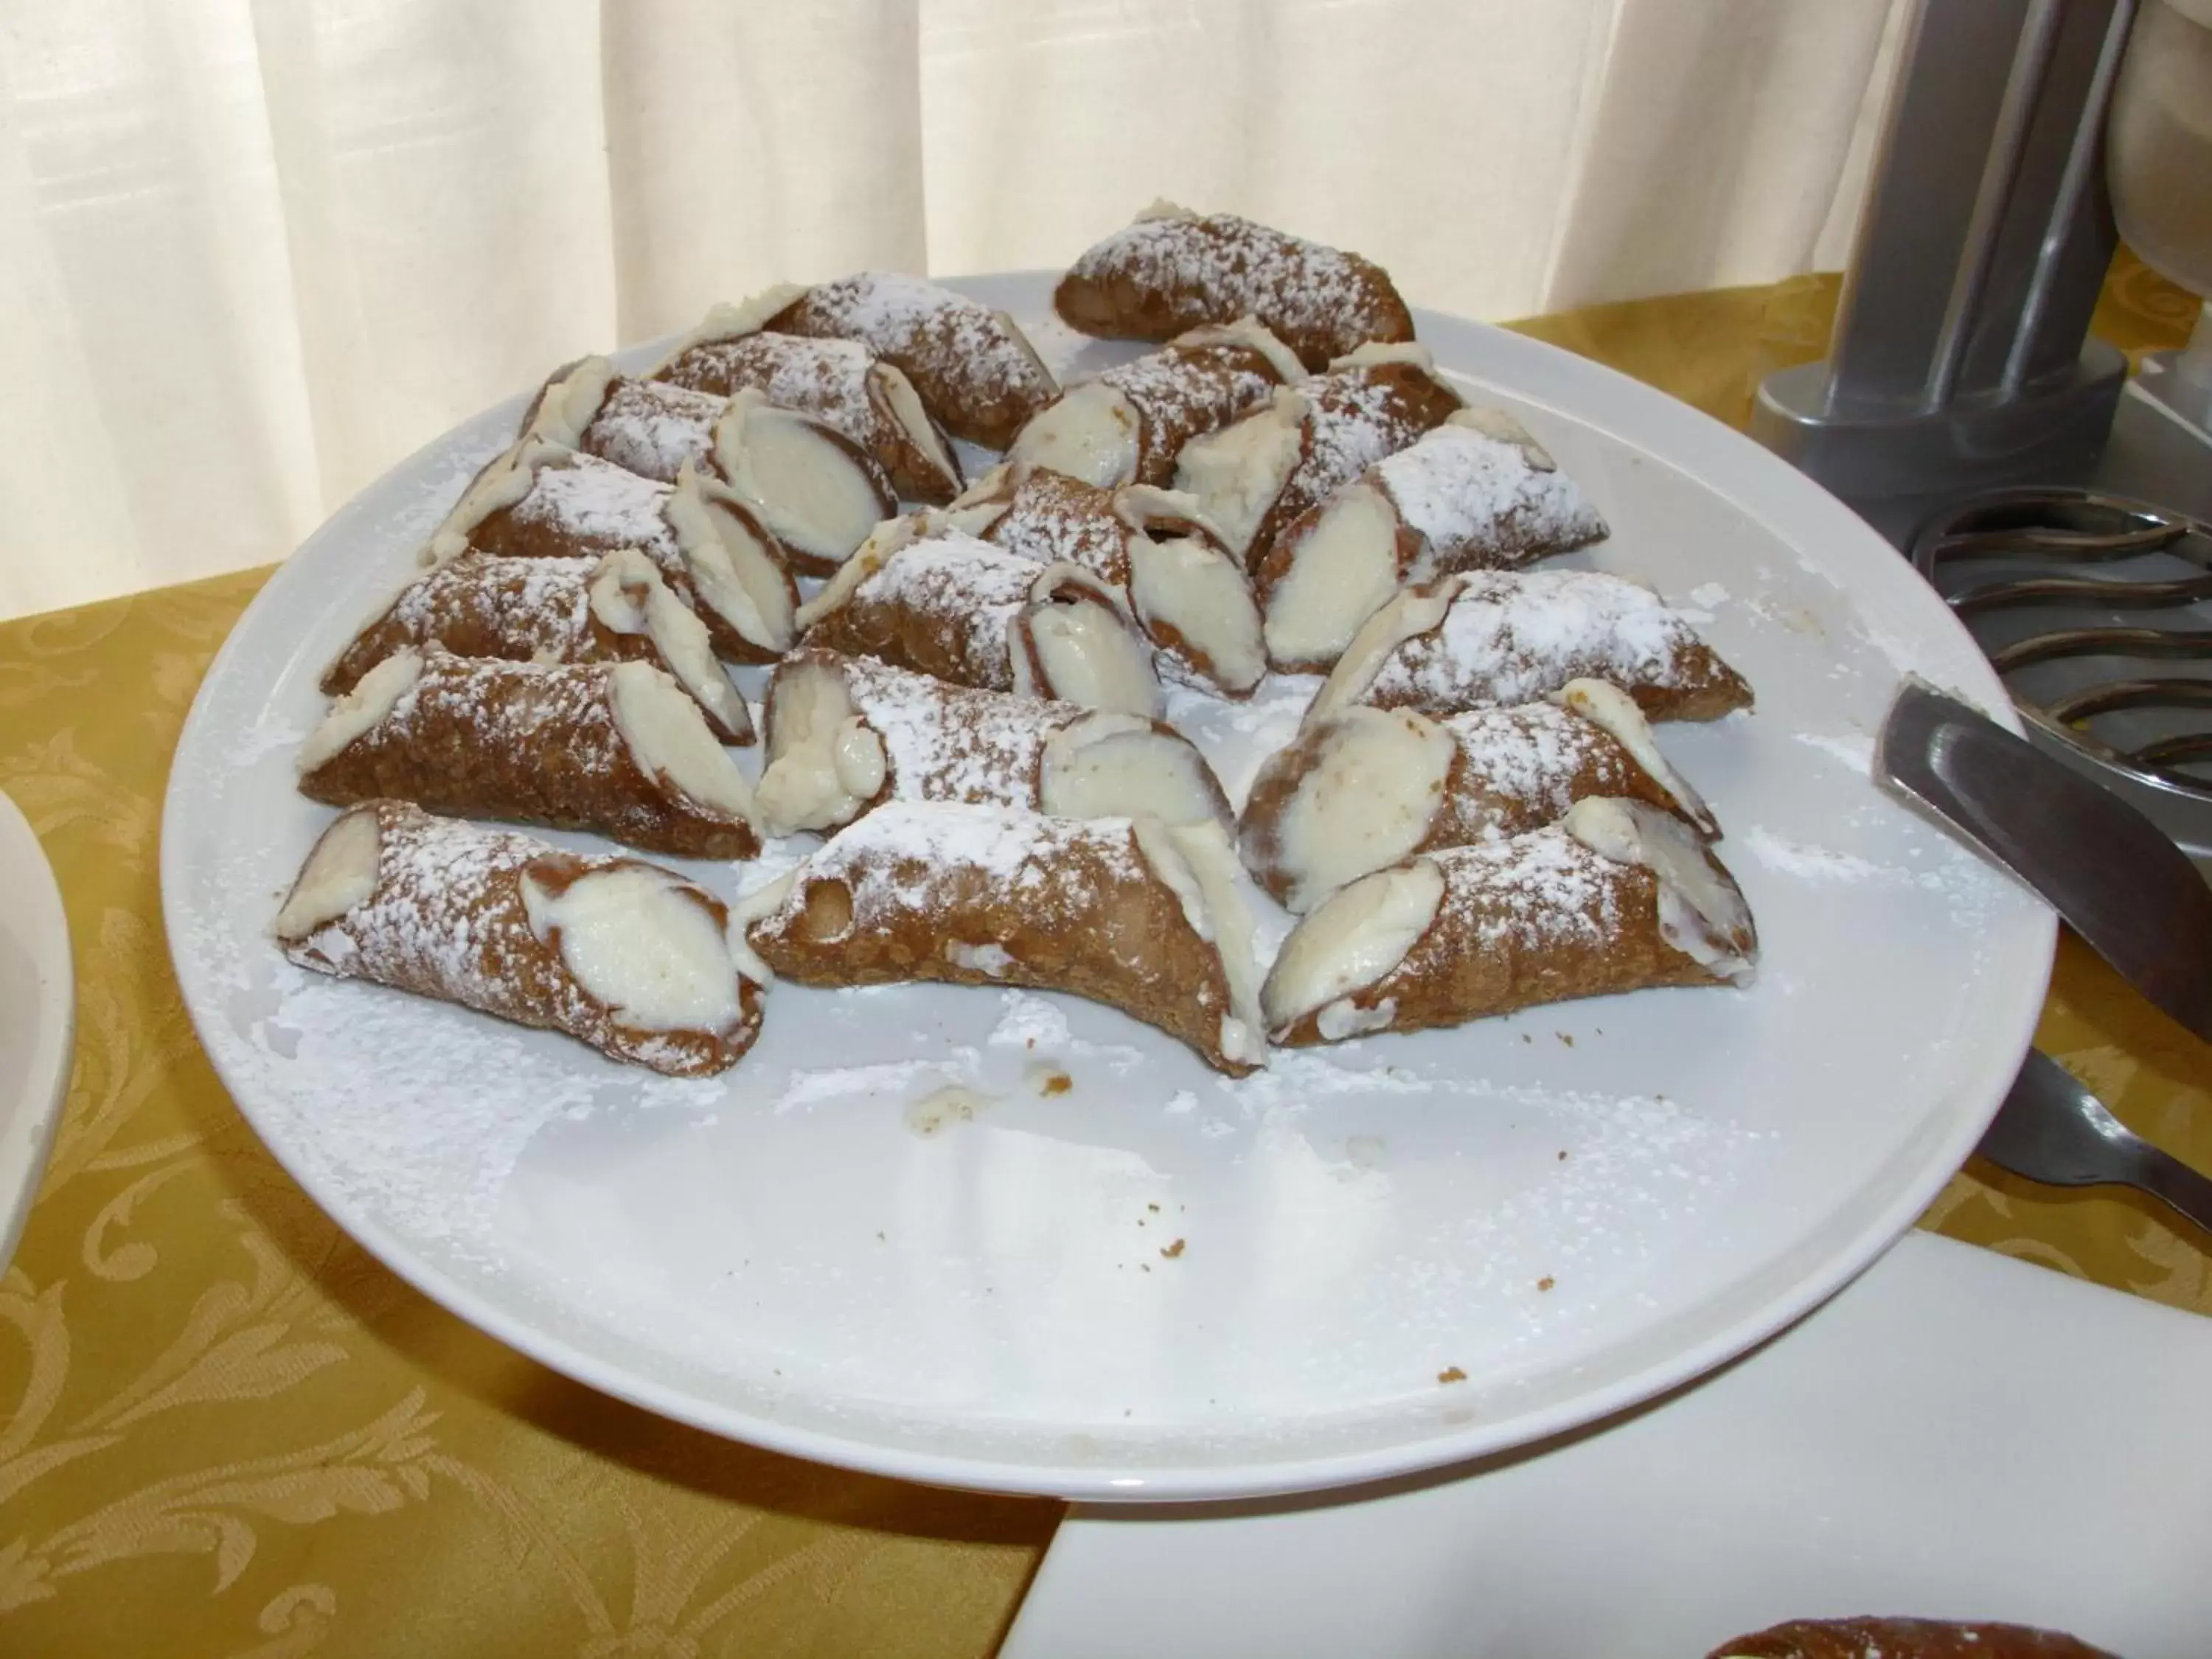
(253, 251)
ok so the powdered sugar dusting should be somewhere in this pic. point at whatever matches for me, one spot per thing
(1479, 501)
(1323, 303)
(1801, 859)
(1532, 893)
(1530, 754)
(651, 428)
(970, 364)
(1056, 520)
(823, 377)
(597, 505)
(1512, 638)
(951, 743)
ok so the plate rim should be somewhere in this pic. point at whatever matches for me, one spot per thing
(37, 902)
(1760, 485)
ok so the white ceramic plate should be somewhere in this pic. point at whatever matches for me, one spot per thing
(37, 1018)
(1956, 1436)
(1576, 1208)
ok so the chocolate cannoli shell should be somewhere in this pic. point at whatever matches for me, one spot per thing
(445, 918)
(527, 743)
(974, 368)
(1538, 918)
(1173, 270)
(1903, 1638)
(837, 380)
(1360, 416)
(965, 896)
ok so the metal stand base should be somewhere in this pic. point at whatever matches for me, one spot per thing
(1895, 465)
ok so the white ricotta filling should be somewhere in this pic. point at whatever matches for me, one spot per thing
(1357, 937)
(1236, 474)
(1701, 912)
(340, 872)
(1121, 766)
(1343, 568)
(1367, 799)
(668, 739)
(643, 944)
(1194, 601)
(372, 699)
(810, 488)
(1089, 432)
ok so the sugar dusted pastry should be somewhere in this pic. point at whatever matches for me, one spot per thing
(1477, 492)
(1127, 424)
(1502, 637)
(1189, 596)
(542, 501)
(642, 426)
(1367, 787)
(1129, 912)
(1617, 895)
(1173, 269)
(870, 402)
(617, 749)
(1259, 473)
(629, 958)
(1903, 1638)
(613, 609)
(924, 596)
(847, 733)
(975, 369)
(818, 492)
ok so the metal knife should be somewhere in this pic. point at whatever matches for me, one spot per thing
(2110, 873)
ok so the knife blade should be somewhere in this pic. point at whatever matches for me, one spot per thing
(2111, 873)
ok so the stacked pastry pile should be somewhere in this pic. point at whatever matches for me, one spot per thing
(968, 703)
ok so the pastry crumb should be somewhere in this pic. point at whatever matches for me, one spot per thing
(1546, 1282)
(1154, 1208)
(1057, 1084)
(1451, 1374)
(1173, 1250)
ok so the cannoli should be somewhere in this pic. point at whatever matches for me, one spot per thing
(1368, 787)
(1173, 269)
(544, 501)
(1127, 425)
(1903, 1638)
(1259, 473)
(642, 426)
(1191, 598)
(618, 749)
(870, 402)
(818, 492)
(1617, 895)
(1130, 912)
(631, 958)
(1498, 637)
(932, 598)
(1475, 493)
(615, 609)
(974, 370)
(846, 733)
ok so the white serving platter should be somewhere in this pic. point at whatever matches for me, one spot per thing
(37, 1018)
(1576, 1208)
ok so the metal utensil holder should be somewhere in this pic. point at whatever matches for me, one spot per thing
(1960, 357)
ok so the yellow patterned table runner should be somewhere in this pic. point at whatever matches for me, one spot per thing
(226, 1431)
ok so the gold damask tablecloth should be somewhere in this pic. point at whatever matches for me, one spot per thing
(226, 1431)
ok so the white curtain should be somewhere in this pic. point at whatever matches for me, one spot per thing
(253, 251)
